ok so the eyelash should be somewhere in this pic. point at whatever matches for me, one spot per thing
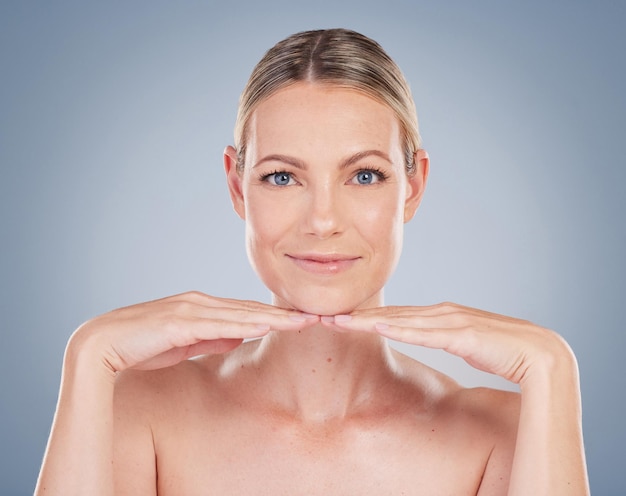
(382, 175)
(265, 177)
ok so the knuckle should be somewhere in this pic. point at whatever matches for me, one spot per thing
(170, 326)
(459, 318)
(243, 314)
(194, 295)
(249, 306)
(446, 306)
(181, 307)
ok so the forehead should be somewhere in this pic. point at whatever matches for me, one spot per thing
(322, 120)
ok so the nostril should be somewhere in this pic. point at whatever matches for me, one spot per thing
(323, 225)
(324, 216)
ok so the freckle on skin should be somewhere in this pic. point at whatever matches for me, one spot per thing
(329, 359)
(313, 370)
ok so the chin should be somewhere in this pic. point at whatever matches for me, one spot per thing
(325, 308)
(328, 302)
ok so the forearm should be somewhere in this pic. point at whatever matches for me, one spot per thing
(549, 454)
(79, 456)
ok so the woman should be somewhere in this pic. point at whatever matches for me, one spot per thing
(326, 169)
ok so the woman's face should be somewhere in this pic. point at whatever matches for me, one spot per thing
(325, 195)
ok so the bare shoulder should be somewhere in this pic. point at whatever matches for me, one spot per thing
(148, 408)
(480, 423)
(473, 428)
(421, 418)
(486, 414)
(137, 390)
(446, 392)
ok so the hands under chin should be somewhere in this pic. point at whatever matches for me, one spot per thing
(514, 349)
(163, 332)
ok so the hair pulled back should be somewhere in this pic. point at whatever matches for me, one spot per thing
(335, 57)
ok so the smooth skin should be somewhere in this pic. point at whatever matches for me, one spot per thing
(319, 404)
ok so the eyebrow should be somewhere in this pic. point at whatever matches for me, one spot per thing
(347, 162)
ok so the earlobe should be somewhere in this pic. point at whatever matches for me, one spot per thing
(234, 177)
(416, 184)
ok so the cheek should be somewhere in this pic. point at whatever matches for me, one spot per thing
(381, 220)
(266, 223)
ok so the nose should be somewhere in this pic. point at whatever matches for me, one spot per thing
(324, 216)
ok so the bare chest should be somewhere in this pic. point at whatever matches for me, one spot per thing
(259, 456)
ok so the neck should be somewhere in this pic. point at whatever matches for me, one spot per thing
(318, 374)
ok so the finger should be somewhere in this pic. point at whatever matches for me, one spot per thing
(185, 309)
(347, 323)
(176, 355)
(284, 321)
(411, 321)
(212, 347)
(200, 299)
(451, 340)
(197, 330)
(438, 310)
(216, 302)
(417, 317)
(191, 330)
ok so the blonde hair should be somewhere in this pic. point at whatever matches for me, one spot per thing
(337, 57)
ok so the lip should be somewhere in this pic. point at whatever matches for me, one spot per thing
(323, 263)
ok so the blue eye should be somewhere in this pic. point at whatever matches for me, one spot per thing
(365, 177)
(369, 176)
(281, 179)
(278, 178)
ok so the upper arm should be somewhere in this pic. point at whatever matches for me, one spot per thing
(504, 415)
(134, 459)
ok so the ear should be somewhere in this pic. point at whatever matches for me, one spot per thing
(234, 178)
(416, 184)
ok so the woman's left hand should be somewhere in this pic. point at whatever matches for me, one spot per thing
(508, 347)
(549, 456)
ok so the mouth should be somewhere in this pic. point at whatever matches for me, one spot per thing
(323, 263)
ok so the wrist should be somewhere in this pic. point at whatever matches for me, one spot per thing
(554, 367)
(85, 354)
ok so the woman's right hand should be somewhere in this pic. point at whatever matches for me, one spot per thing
(164, 332)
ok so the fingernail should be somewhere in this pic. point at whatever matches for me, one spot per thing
(343, 318)
(297, 318)
(380, 326)
(328, 319)
(309, 316)
(263, 327)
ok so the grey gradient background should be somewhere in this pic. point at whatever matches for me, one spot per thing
(112, 124)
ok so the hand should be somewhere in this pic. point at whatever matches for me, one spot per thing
(164, 332)
(508, 347)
